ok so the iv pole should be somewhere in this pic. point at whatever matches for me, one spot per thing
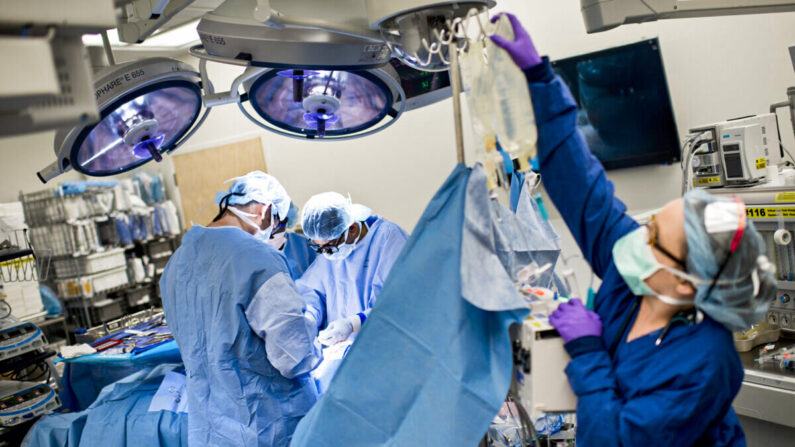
(455, 85)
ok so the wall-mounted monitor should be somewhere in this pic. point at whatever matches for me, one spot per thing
(625, 111)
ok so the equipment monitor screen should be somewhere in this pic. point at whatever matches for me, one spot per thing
(624, 107)
(417, 82)
(734, 165)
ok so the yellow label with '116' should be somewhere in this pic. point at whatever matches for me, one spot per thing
(769, 212)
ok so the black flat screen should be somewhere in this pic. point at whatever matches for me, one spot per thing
(625, 111)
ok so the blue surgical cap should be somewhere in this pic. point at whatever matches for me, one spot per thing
(326, 216)
(746, 286)
(257, 186)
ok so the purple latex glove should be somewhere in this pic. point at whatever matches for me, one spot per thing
(521, 48)
(573, 320)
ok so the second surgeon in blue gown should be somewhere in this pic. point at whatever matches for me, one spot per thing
(655, 364)
(358, 252)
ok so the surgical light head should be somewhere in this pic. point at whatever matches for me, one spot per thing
(324, 103)
(147, 108)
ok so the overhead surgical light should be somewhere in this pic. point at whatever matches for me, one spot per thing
(322, 70)
(312, 69)
(147, 108)
(325, 103)
(315, 69)
(291, 34)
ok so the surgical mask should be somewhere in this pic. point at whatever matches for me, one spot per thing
(278, 242)
(343, 250)
(262, 235)
(636, 262)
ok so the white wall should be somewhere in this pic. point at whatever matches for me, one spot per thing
(717, 68)
(20, 158)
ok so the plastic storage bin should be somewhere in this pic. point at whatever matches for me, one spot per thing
(107, 310)
(89, 285)
(160, 249)
(99, 310)
(139, 296)
(90, 264)
(23, 297)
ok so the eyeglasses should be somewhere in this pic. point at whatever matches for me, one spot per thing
(652, 226)
(281, 226)
(330, 247)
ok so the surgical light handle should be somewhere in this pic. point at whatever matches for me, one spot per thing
(212, 99)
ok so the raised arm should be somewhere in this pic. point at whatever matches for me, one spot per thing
(572, 176)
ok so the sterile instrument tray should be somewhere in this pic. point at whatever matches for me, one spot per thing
(127, 321)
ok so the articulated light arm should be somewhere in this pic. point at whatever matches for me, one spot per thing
(602, 15)
(147, 16)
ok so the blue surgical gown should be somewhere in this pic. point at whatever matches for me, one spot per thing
(298, 253)
(119, 417)
(240, 327)
(636, 393)
(341, 288)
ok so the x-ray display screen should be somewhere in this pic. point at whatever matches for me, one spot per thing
(625, 112)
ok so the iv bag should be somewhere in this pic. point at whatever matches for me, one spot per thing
(515, 119)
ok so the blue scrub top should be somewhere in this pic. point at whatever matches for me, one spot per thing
(638, 393)
(341, 288)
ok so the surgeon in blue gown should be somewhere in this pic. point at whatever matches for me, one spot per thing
(358, 251)
(240, 324)
(654, 364)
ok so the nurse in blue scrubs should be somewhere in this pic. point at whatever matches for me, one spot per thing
(654, 364)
